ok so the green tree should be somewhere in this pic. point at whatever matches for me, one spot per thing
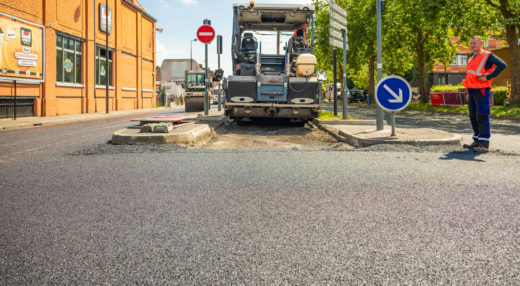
(420, 28)
(509, 10)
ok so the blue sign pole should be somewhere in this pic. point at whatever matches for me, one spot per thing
(393, 93)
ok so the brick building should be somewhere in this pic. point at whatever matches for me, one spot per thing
(60, 68)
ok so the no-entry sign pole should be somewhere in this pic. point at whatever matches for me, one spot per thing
(206, 34)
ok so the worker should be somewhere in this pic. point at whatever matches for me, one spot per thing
(301, 32)
(483, 66)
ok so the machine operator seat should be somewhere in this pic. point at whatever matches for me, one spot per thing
(249, 44)
(298, 46)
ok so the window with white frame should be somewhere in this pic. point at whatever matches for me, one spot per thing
(68, 60)
(460, 60)
(101, 72)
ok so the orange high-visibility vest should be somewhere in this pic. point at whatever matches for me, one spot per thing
(295, 33)
(476, 68)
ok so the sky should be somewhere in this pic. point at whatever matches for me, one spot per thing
(180, 20)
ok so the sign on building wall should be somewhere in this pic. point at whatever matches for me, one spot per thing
(21, 49)
(103, 19)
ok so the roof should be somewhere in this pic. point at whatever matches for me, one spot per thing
(174, 69)
(137, 5)
(269, 17)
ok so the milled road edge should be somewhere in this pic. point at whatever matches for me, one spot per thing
(346, 122)
(332, 132)
(362, 142)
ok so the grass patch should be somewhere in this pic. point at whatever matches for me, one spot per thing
(327, 115)
(497, 111)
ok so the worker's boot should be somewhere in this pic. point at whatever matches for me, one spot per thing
(472, 145)
(482, 147)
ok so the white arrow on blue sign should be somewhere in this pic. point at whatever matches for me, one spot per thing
(393, 93)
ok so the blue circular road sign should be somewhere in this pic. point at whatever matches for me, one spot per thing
(393, 93)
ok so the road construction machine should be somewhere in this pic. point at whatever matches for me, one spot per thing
(194, 85)
(272, 85)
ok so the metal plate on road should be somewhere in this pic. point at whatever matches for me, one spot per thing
(393, 93)
(165, 118)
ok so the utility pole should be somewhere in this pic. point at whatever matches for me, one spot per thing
(345, 88)
(380, 116)
(334, 52)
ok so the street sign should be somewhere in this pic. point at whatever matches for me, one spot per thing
(393, 93)
(338, 22)
(336, 34)
(219, 45)
(205, 34)
(336, 43)
(338, 9)
(338, 18)
(338, 40)
(337, 26)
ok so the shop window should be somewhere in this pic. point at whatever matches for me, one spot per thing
(101, 73)
(68, 60)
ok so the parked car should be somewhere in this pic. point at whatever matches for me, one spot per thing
(356, 95)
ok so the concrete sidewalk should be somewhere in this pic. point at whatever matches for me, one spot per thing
(28, 122)
(362, 133)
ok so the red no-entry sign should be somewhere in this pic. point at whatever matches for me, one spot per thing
(205, 34)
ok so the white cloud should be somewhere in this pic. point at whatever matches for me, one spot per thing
(189, 1)
(304, 2)
(161, 52)
(164, 4)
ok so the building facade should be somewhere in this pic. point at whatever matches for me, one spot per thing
(72, 76)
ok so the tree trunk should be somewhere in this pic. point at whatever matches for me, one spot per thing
(512, 40)
(371, 80)
(423, 88)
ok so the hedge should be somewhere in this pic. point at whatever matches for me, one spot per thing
(500, 92)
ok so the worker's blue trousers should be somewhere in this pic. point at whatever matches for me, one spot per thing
(479, 107)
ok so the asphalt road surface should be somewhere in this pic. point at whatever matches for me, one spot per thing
(76, 210)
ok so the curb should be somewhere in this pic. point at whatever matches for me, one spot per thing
(364, 142)
(346, 122)
(190, 137)
(84, 117)
(196, 133)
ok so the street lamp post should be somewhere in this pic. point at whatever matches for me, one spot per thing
(191, 55)
(107, 75)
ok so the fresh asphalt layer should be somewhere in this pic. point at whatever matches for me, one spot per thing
(76, 210)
